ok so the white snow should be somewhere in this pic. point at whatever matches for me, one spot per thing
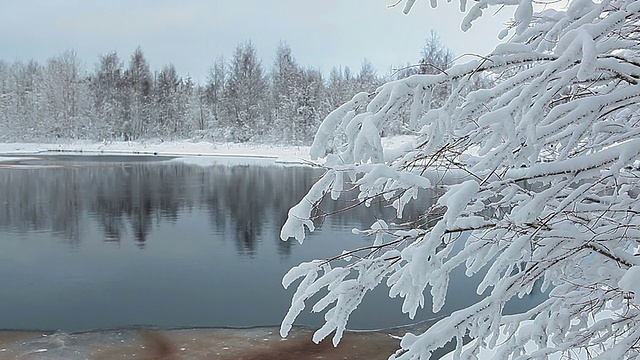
(8, 158)
(550, 146)
(631, 282)
(575, 354)
(187, 149)
(200, 153)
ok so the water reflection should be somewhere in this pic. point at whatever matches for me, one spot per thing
(110, 245)
(131, 199)
(162, 243)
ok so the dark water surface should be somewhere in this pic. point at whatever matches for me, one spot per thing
(117, 242)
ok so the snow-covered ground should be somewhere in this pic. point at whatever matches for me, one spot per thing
(186, 149)
(284, 154)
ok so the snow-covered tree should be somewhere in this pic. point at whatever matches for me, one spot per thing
(296, 99)
(28, 100)
(367, 79)
(197, 113)
(138, 103)
(167, 101)
(538, 183)
(309, 105)
(340, 86)
(66, 91)
(244, 97)
(435, 56)
(214, 93)
(184, 123)
(6, 101)
(286, 81)
(107, 85)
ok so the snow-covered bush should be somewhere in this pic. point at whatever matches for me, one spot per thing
(541, 169)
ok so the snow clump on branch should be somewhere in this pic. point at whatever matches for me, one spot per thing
(540, 169)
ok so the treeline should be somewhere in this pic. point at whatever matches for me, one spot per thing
(240, 101)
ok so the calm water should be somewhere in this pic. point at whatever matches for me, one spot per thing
(97, 243)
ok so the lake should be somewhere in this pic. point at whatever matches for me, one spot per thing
(103, 242)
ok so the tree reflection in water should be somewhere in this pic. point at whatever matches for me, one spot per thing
(129, 200)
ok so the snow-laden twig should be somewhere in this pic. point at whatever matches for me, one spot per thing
(540, 168)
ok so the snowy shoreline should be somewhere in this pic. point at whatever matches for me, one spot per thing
(184, 148)
(187, 149)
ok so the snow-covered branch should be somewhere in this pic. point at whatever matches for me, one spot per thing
(539, 169)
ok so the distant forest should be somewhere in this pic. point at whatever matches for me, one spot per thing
(242, 100)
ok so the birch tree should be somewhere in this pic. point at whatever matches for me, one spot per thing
(538, 183)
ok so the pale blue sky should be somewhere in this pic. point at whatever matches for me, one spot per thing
(192, 33)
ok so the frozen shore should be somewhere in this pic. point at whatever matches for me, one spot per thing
(180, 148)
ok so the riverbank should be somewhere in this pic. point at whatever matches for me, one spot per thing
(284, 154)
(223, 344)
(181, 148)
